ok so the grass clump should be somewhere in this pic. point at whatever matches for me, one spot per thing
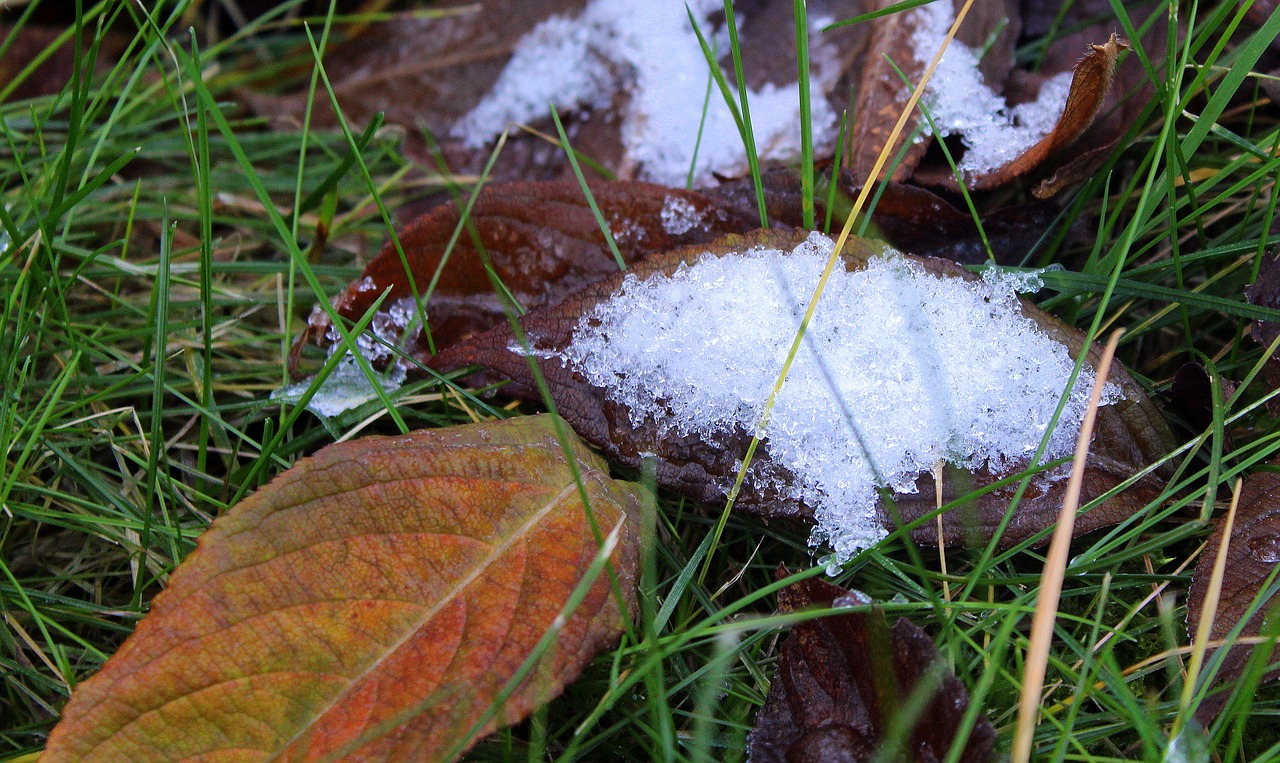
(159, 249)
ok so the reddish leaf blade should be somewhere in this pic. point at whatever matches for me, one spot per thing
(1252, 557)
(842, 679)
(543, 242)
(369, 604)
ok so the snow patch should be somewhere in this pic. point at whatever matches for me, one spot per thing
(960, 102)
(899, 369)
(346, 388)
(650, 50)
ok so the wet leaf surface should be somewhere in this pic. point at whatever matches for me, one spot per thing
(369, 604)
(543, 242)
(842, 679)
(1252, 557)
(1130, 434)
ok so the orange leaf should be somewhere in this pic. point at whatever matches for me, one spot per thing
(370, 604)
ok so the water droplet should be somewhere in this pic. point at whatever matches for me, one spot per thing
(1265, 548)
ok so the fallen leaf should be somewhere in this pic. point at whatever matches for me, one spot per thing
(1090, 85)
(1252, 556)
(842, 680)
(630, 81)
(1266, 293)
(543, 242)
(1130, 434)
(911, 218)
(29, 43)
(370, 604)
(891, 59)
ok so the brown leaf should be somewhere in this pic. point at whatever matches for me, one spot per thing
(1191, 397)
(427, 71)
(370, 604)
(543, 242)
(911, 218)
(1090, 85)
(1130, 434)
(1266, 293)
(882, 94)
(56, 71)
(842, 678)
(1252, 556)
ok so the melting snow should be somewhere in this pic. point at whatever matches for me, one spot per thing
(900, 368)
(960, 102)
(649, 50)
(344, 389)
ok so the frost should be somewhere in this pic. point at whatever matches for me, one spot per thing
(344, 389)
(679, 215)
(1017, 281)
(960, 102)
(899, 369)
(650, 51)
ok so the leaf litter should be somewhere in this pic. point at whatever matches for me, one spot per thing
(886, 385)
(844, 680)
(889, 366)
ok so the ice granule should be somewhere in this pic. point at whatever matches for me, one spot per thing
(960, 102)
(679, 215)
(899, 369)
(650, 50)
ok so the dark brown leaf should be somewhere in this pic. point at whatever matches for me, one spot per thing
(1191, 396)
(1266, 293)
(543, 242)
(1130, 434)
(911, 218)
(842, 678)
(55, 72)
(1252, 556)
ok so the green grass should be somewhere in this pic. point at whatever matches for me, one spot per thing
(156, 259)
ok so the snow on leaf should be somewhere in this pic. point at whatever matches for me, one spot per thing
(649, 50)
(1005, 122)
(676, 358)
(370, 604)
